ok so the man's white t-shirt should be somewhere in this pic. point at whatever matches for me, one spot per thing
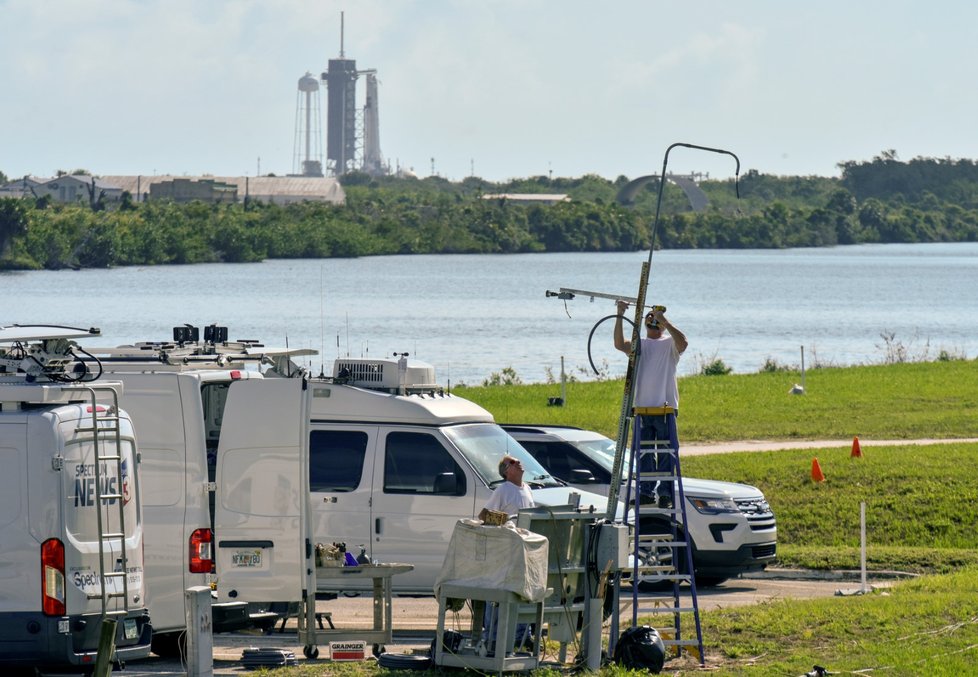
(655, 381)
(509, 498)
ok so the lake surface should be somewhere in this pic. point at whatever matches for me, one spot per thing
(473, 315)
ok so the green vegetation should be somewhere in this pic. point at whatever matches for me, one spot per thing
(904, 400)
(920, 514)
(884, 200)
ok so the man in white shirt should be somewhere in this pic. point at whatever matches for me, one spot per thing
(656, 386)
(512, 495)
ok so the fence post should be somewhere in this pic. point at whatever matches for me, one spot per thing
(200, 637)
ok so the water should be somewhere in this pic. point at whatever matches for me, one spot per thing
(473, 315)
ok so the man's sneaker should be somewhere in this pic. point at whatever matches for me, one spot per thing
(665, 502)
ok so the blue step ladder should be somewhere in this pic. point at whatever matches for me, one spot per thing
(663, 556)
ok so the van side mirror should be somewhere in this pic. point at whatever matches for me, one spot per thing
(582, 476)
(446, 483)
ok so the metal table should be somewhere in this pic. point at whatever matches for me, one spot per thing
(379, 634)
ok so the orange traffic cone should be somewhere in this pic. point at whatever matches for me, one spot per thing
(817, 475)
(856, 451)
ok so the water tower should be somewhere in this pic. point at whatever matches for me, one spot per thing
(308, 156)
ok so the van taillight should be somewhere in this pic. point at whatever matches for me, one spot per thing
(201, 551)
(235, 374)
(53, 577)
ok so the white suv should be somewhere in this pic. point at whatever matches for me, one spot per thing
(732, 527)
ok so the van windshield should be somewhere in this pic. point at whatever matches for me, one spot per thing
(485, 444)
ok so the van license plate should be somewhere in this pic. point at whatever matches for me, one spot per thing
(246, 559)
(130, 629)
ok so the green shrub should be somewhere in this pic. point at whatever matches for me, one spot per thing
(716, 368)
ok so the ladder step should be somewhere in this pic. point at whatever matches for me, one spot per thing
(114, 457)
(653, 411)
(657, 475)
(664, 544)
(111, 497)
(115, 574)
(108, 536)
(672, 577)
(666, 610)
(652, 510)
(680, 642)
(659, 601)
(99, 429)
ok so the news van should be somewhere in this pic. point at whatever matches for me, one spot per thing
(175, 392)
(70, 515)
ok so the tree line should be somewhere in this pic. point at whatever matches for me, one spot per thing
(884, 200)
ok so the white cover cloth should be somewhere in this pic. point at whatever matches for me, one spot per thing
(496, 558)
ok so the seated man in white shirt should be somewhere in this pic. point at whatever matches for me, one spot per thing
(509, 497)
(512, 495)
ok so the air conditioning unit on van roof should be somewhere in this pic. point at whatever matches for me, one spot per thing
(397, 376)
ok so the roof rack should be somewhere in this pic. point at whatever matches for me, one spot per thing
(187, 351)
(41, 353)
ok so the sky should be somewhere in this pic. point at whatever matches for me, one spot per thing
(493, 88)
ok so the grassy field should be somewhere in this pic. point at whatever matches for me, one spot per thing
(921, 512)
(900, 401)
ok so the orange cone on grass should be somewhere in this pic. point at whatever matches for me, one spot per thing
(817, 475)
(856, 451)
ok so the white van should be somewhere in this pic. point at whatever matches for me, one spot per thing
(70, 515)
(175, 393)
(377, 457)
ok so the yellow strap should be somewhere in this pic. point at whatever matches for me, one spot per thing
(652, 411)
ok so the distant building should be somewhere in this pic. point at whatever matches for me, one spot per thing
(529, 198)
(269, 189)
(24, 187)
(67, 188)
(188, 190)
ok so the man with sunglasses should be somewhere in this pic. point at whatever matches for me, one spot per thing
(655, 387)
(512, 495)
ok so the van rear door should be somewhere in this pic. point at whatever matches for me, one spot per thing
(262, 492)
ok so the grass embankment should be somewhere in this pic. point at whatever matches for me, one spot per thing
(901, 401)
(921, 512)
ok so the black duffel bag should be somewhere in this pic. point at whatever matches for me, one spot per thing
(640, 647)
